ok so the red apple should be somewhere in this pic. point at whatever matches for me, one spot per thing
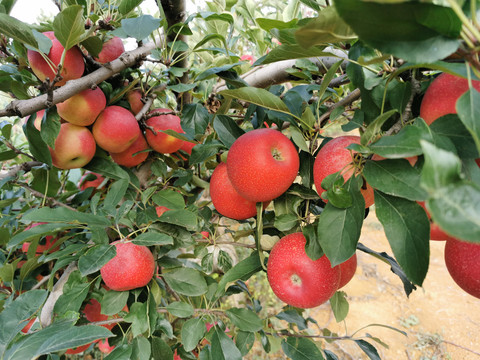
(262, 164)
(463, 264)
(84, 183)
(248, 58)
(73, 65)
(334, 157)
(74, 147)
(205, 234)
(104, 346)
(83, 108)
(127, 157)
(49, 242)
(161, 142)
(131, 268)
(27, 327)
(347, 270)
(226, 200)
(441, 96)
(38, 119)
(115, 129)
(160, 210)
(412, 159)
(111, 50)
(298, 280)
(134, 98)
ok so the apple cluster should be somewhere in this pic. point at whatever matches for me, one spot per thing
(87, 121)
(461, 258)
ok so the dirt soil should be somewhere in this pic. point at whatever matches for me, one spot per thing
(440, 319)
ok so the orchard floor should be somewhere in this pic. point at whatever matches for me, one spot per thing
(441, 320)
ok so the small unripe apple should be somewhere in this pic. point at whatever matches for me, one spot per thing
(334, 157)
(441, 96)
(115, 129)
(298, 280)
(127, 158)
(262, 164)
(161, 142)
(73, 65)
(74, 147)
(111, 50)
(131, 268)
(347, 270)
(134, 98)
(83, 108)
(463, 263)
(226, 200)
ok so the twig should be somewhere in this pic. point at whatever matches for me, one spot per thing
(354, 95)
(41, 282)
(46, 316)
(48, 198)
(148, 104)
(26, 166)
(17, 151)
(461, 347)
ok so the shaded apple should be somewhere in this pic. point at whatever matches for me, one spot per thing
(436, 232)
(74, 147)
(83, 108)
(48, 243)
(73, 66)
(129, 158)
(262, 164)
(134, 98)
(115, 129)
(111, 50)
(334, 157)
(347, 270)
(84, 183)
(161, 142)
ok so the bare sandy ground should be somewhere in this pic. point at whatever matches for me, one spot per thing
(441, 320)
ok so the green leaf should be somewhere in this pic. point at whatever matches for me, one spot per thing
(288, 52)
(455, 208)
(227, 130)
(244, 341)
(195, 119)
(74, 293)
(140, 27)
(122, 352)
(338, 230)
(171, 199)
(245, 319)
(138, 316)
(95, 258)
(93, 45)
(394, 177)
(242, 271)
(180, 309)
(69, 26)
(468, 109)
(451, 127)
(285, 222)
(257, 96)
(160, 349)
(141, 349)
(50, 128)
(441, 167)
(183, 218)
(57, 337)
(36, 145)
(339, 305)
(293, 317)
(368, 349)
(17, 30)
(115, 194)
(64, 215)
(216, 70)
(151, 238)
(201, 152)
(328, 27)
(223, 348)
(113, 302)
(416, 32)
(404, 144)
(186, 281)
(408, 232)
(193, 330)
(14, 315)
(375, 127)
(126, 6)
(106, 168)
(301, 349)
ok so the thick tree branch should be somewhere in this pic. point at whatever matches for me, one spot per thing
(27, 166)
(23, 108)
(46, 316)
